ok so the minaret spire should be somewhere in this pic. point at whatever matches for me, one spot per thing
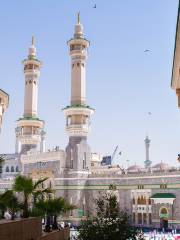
(33, 41)
(78, 17)
(32, 49)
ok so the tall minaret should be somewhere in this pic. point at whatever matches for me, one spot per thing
(147, 162)
(29, 129)
(78, 113)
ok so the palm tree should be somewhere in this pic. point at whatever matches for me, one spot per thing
(53, 208)
(29, 189)
(10, 202)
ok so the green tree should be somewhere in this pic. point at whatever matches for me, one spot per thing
(2, 207)
(52, 208)
(8, 201)
(109, 224)
(29, 190)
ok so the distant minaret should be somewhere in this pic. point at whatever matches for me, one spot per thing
(147, 162)
(29, 129)
(78, 113)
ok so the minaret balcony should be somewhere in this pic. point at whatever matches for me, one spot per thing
(30, 138)
(30, 121)
(77, 129)
(78, 110)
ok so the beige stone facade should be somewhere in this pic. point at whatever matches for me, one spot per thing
(4, 102)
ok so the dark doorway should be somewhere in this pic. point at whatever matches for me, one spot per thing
(164, 223)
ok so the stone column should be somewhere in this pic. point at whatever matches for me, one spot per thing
(136, 213)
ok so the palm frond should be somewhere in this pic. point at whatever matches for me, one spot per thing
(39, 182)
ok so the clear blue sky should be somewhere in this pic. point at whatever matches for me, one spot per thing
(123, 82)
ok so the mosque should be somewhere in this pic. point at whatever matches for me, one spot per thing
(151, 194)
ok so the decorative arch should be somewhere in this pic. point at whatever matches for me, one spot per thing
(141, 200)
(163, 212)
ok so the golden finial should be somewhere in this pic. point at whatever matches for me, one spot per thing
(78, 17)
(33, 40)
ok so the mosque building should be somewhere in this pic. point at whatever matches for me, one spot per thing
(150, 193)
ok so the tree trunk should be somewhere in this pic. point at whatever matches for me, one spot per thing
(47, 226)
(25, 207)
(55, 224)
(12, 215)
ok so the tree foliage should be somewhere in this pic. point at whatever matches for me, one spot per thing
(29, 189)
(51, 208)
(8, 201)
(110, 223)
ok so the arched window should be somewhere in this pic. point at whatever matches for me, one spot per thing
(133, 200)
(139, 218)
(17, 169)
(164, 211)
(144, 218)
(7, 168)
(12, 169)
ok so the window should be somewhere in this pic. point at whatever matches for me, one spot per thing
(141, 200)
(72, 47)
(78, 64)
(7, 168)
(84, 161)
(140, 186)
(164, 211)
(145, 218)
(150, 219)
(139, 218)
(71, 157)
(12, 169)
(134, 218)
(17, 169)
(163, 186)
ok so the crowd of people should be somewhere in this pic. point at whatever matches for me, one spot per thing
(155, 235)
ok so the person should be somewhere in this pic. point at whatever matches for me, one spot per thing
(7, 215)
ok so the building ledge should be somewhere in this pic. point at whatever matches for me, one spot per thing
(30, 118)
(78, 106)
